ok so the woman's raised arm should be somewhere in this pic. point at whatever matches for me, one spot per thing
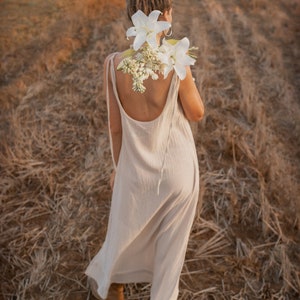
(190, 98)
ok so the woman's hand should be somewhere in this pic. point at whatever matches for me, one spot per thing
(112, 179)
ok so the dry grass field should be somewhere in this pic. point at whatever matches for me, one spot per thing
(55, 160)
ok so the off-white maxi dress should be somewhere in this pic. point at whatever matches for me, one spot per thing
(153, 202)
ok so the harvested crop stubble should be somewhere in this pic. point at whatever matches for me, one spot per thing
(55, 160)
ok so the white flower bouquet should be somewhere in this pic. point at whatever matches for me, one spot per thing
(146, 58)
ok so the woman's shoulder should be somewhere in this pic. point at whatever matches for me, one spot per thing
(116, 57)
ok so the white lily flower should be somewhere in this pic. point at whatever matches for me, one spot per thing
(146, 28)
(176, 56)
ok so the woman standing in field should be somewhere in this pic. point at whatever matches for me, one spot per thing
(151, 96)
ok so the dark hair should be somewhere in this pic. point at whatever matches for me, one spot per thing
(146, 6)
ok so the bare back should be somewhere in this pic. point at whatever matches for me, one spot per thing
(145, 106)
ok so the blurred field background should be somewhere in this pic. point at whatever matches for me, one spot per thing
(55, 160)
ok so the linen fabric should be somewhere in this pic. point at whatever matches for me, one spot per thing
(153, 203)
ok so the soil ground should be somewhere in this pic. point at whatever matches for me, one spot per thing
(55, 160)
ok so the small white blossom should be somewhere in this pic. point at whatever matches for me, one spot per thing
(141, 65)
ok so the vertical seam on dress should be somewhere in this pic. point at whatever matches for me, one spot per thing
(168, 142)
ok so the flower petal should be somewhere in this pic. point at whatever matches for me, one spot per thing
(163, 57)
(139, 40)
(183, 45)
(131, 32)
(139, 18)
(151, 40)
(167, 70)
(188, 61)
(161, 26)
(153, 16)
(180, 71)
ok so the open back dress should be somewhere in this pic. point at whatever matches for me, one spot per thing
(154, 200)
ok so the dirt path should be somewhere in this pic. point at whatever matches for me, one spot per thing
(55, 160)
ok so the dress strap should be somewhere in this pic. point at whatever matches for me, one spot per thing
(113, 76)
(109, 69)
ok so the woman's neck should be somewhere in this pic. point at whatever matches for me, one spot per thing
(159, 38)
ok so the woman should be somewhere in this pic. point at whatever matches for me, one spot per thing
(156, 180)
